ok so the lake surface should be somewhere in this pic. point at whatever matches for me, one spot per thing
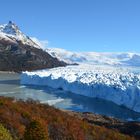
(10, 87)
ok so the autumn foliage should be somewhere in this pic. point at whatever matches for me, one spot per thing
(35, 131)
(34, 121)
(4, 133)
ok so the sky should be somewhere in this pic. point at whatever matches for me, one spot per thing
(78, 25)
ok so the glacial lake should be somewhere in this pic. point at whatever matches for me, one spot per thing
(10, 87)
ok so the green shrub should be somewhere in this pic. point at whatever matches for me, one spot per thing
(35, 131)
(4, 133)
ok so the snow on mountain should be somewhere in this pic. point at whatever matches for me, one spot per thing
(135, 60)
(42, 43)
(11, 32)
(19, 52)
(67, 56)
(115, 84)
(123, 59)
(5, 38)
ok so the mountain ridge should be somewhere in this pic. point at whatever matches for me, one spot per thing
(19, 52)
(12, 31)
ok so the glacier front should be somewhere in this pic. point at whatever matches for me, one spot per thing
(118, 85)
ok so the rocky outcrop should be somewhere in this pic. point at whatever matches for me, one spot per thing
(23, 57)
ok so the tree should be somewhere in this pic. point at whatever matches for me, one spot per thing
(35, 131)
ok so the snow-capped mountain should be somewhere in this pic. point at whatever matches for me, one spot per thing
(19, 52)
(12, 33)
(123, 59)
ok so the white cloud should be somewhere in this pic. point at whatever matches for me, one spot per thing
(42, 43)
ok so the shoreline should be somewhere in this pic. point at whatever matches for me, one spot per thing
(10, 72)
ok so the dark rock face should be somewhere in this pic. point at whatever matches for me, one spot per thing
(20, 57)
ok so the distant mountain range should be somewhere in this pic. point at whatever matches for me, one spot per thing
(121, 59)
(19, 52)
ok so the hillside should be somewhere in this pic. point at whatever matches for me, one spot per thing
(33, 121)
(19, 52)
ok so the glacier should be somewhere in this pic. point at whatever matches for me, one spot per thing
(102, 58)
(117, 84)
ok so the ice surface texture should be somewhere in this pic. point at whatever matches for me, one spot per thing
(114, 84)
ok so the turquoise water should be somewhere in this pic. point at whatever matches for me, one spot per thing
(10, 87)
